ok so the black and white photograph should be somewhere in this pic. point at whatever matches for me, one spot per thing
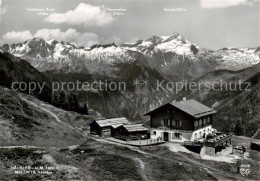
(129, 90)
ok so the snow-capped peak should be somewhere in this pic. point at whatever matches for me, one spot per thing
(44, 54)
(174, 43)
(50, 41)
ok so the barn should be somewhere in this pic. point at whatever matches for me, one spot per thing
(131, 132)
(104, 127)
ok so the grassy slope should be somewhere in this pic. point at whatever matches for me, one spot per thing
(232, 105)
(102, 161)
(22, 123)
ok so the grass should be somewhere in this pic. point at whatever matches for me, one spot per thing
(258, 135)
(19, 153)
(115, 167)
(168, 170)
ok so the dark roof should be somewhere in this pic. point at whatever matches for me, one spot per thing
(114, 122)
(134, 127)
(191, 107)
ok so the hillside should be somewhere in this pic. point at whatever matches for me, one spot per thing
(244, 106)
(129, 100)
(26, 120)
(232, 104)
(35, 134)
(13, 69)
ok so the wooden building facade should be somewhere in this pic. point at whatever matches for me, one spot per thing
(187, 120)
(131, 132)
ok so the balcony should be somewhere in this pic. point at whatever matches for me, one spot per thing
(221, 138)
(218, 139)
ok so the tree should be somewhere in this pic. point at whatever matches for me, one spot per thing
(73, 104)
(55, 100)
(70, 105)
(239, 128)
(62, 100)
(76, 103)
(85, 109)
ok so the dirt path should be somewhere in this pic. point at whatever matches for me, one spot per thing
(49, 112)
(142, 168)
(218, 174)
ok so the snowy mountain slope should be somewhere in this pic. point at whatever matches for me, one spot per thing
(174, 43)
(52, 55)
(168, 54)
(237, 58)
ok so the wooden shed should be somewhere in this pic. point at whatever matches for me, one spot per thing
(104, 127)
(131, 132)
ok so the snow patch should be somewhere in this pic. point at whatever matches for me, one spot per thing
(174, 147)
(223, 156)
(50, 41)
(73, 147)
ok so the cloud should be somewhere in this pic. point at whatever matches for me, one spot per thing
(2, 8)
(224, 3)
(70, 35)
(16, 36)
(83, 14)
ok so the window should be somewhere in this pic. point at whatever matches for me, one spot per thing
(200, 134)
(178, 123)
(196, 123)
(208, 119)
(165, 122)
(204, 120)
(177, 135)
(200, 122)
(154, 132)
(195, 136)
(173, 123)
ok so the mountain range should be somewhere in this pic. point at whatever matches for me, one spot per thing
(171, 58)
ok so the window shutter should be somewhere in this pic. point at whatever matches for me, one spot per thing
(180, 123)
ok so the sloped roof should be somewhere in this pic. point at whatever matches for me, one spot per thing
(134, 127)
(191, 107)
(114, 122)
(116, 125)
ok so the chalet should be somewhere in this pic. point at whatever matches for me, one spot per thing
(131, 131)
(105, 127)
(187, 120)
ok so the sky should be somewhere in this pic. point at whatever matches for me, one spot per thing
(212, 24)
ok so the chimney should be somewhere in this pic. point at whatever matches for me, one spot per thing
(184, 99)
